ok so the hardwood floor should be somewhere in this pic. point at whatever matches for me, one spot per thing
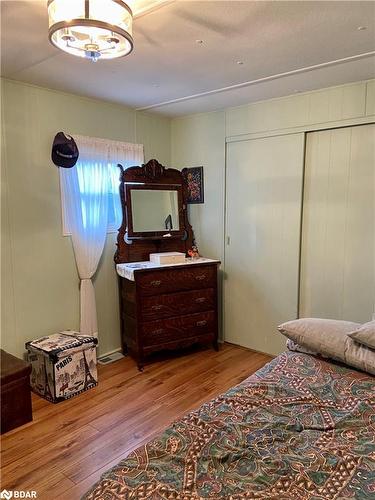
(69, 445)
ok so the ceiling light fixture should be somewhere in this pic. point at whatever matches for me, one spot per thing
(95, 29)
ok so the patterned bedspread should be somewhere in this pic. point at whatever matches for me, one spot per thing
(299, 428)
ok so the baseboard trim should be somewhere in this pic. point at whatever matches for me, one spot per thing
(249, 349)
(102, 354)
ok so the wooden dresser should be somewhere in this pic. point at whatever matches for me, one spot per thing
(169, 307)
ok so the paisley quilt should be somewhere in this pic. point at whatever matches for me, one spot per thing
(298, 429)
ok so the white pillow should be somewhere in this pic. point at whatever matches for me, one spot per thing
(329, 338)
(365, 334)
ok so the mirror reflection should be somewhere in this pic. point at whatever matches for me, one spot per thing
(154, 210)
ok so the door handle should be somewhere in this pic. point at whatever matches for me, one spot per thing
(158, 331)
(201, 323)
(200, 277)
(155, 282)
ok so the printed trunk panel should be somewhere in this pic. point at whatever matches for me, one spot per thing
(62, 374)
(75, 373)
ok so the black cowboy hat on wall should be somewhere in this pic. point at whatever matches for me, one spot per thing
(64, 151)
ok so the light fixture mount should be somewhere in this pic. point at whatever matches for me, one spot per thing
(95, 29)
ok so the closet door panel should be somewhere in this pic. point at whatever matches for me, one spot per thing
(338, 253)
(263, 209)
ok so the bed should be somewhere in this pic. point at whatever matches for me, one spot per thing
(299, 428)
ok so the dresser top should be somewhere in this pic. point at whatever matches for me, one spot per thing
(128, 269)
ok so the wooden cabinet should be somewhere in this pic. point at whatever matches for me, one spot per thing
(168, 308)
(162, 307)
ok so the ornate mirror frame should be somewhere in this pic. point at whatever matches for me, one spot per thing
(133, 247)
(173, 233)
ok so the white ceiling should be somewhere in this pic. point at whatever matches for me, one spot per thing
(278, 43)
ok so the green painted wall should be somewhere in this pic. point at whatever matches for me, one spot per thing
(154, 132)
(39, 279)
(199, 140)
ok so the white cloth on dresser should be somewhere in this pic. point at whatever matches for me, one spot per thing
(127, 270)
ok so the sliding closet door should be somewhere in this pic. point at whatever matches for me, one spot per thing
(338, 251)
(263, 211)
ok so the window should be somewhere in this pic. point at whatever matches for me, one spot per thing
(94, 173)
(88, 187)
(114, 202)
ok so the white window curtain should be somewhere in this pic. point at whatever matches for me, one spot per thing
(90, 192)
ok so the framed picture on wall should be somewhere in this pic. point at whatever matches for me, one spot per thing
(194, 179)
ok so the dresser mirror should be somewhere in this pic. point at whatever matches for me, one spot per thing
(154, 213)
(154, 210)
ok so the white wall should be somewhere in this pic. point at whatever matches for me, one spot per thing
(39, 279)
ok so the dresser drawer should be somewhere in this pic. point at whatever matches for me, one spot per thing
(169, 330)
(177, 304)
(175, 280)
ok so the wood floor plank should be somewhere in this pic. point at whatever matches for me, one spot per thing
(69, 445)
(163, 410)
(42, 458)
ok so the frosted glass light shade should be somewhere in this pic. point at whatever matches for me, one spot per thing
(91, 28)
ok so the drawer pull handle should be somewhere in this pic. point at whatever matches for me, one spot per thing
(157, 308)
(201, 323)
(200, 300)
(156, 283)
(158, 331)
(200, 277)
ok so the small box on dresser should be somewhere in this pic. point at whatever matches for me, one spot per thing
(167, 258)
(63, 365)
